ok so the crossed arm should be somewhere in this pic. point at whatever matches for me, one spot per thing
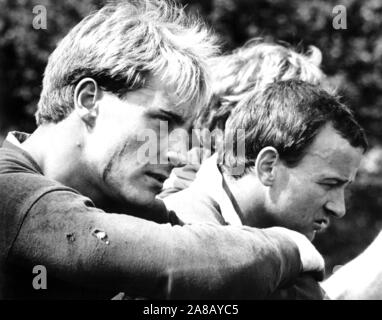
(81, 244)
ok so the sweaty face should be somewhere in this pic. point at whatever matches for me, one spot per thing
(129, 147)
(305, 197)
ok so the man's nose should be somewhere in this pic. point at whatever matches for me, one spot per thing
(177, 150)
(336, 205)
(176, 159)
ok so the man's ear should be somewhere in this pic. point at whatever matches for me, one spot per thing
(86, 95)
(265, 165)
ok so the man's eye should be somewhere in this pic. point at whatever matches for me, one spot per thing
(163, 118)
(329, 185)
(160, 121)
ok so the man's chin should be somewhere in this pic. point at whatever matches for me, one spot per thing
(153, 185)
(144, 191)
(311, 235)
(144, 199)
(148, 207)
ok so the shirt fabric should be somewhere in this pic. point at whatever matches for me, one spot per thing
(207, 190)
(182, 177)
(209, 196)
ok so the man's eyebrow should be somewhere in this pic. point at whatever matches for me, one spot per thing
(178, 119)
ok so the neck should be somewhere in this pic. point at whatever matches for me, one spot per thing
(58, 149)
(249, 194)
(59, 154)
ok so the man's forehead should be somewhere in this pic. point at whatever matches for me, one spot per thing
(164, 98)
(333, 153)
(336, 163)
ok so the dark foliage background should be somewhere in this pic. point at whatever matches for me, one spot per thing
(352, 58)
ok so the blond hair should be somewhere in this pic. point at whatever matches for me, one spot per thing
(121, 46)
(250, 68)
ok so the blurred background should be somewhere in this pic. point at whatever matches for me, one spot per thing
(352, 58)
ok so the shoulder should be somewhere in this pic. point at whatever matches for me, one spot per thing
(21, 188)
(194, 206)
(21, 181)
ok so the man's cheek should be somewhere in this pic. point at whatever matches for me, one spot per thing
(121, 170)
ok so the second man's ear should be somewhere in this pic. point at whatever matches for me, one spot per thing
(265, 166)
(86, 95)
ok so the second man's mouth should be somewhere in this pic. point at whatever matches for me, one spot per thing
(160, 177)
(320, 224)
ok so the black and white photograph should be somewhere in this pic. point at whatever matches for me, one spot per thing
(190, 150)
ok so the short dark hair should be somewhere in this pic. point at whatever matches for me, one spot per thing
(287, 115)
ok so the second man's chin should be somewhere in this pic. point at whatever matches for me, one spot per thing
(311, 235)
(153, 209)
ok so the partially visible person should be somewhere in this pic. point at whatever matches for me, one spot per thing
(246, 69)
(359, 279)
(68, 191)
(302, 149)
(254, 65)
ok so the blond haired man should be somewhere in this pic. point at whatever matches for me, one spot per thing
(69, 190)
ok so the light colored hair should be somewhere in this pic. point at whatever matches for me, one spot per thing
(251, 68)
(122, 46)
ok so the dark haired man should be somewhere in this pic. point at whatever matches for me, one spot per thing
(302, 149)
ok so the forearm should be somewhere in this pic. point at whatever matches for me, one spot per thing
(155, 260)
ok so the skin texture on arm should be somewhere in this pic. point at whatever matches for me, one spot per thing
(361, 278)
(80, 244)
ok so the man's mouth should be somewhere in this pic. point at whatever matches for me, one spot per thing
(320, 224)
(160, 177)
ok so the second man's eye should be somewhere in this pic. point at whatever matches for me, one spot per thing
(329, 185)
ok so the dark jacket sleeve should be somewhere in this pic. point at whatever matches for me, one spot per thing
(81, 244)
(305, 287)
(193, 206)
